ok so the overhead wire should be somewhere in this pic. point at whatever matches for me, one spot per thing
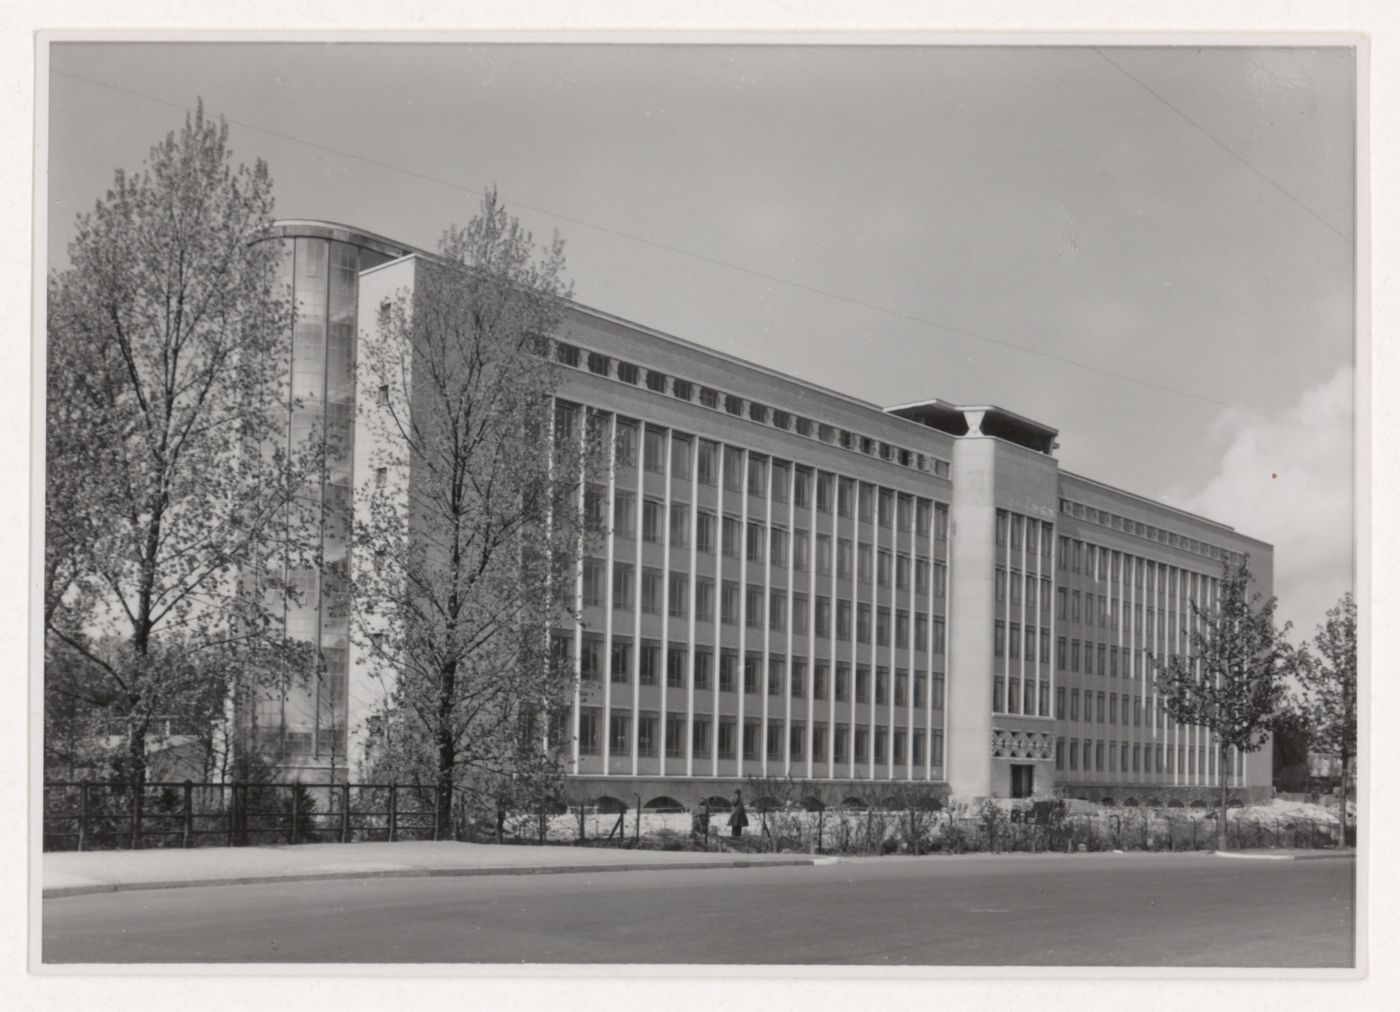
(775, 279)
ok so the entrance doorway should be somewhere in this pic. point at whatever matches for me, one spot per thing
(1022, 780)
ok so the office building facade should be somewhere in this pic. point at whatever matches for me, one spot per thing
(798, 584)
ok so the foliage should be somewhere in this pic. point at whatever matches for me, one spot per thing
(1229, 678)
(477, 530)
(168, 478)
(1327, 674)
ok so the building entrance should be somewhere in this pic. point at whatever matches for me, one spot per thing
(1022, 780)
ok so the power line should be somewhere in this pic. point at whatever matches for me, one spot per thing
(1222, 145)
(703, 258)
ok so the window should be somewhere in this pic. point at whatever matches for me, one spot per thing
(704, 599)
(862, 749)
(867, 503)
(700, 670)
(863, 623)
(777, 546)
(1073, 704)
(700, 738)
(843, 558)
(656, 381)
(752, 663)
(381, 477)
(624, 514)
(938, 684)
(797, 741)
(901, 573)
(646, 735)
(800, 550)
(938, 636)
(651, 591)
(882, 685)
(823, 554)
(617, 736)
(705, 462)
(623, 594)
(886, 560)
(921, 632)
(799, 613)
(729, 603)
(1059, 753)
(588, 719)
(862, 684)
(705, 532)
(1060, 703)
(620, 664)
(777, 674)
(709, 397)
(754, 542)
(682, 390)
(901, 687)
(733, 468)
(753, 603)
(777, 610)
(886, 508)
(732, 532)
(676, 663)
(591, 659)
(940, 579)
(751, 739)
(843, 683)
(824, 492)
(678, 603)
(818, 742)
(652, 529)
(882, 738)
(797, 683)
(726, 739)
(758, 477)
(728, 670)
(843, 620)
(781, 476)
(819, 680)
(901, 628)
(863, 563)
(882, 626)
(1074, 754)
(680, 524)
(626, 443)
(999, 641)
(775, 739)
(650, 662)
(801, 487)
(593, 580)
(845, 497)
(680, 457)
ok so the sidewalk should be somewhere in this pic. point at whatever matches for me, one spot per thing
(69, 873)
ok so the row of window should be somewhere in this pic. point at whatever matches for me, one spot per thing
(701, 667)
(1021, 696)
(1107, 710)
(773, 545)
(928, 516)
(1111, 660)
(678, 605)
(757, 738)
(659, 382)
(1117, 522)
(1121, 757)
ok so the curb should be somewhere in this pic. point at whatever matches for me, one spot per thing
(1340, 855)
(60, 892)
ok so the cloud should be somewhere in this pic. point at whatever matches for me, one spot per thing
(1292, 486)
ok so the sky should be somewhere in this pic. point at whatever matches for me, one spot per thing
(1150, 249)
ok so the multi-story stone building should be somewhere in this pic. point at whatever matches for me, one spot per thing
(797, 583)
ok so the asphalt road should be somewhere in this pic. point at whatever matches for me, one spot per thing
(1069, 910)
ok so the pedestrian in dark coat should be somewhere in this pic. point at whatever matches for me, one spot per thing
(738, 818)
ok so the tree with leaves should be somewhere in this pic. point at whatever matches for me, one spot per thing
(469, 528)
(1326, 671)
(1229, 680)
(171, 490)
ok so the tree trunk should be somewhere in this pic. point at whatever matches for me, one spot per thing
(1222, 831)
(1342, 808)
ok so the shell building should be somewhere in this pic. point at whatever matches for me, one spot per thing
(797, 583)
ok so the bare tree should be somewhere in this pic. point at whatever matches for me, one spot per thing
(470, 528)
(1327, 704)
(1230, 680)
(169, 480)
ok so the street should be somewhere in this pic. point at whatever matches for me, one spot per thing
(1038, 910)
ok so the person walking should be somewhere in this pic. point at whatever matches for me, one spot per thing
(738, 818)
